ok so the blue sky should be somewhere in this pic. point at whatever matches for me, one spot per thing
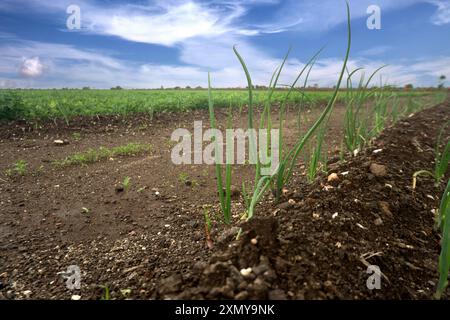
(146, 44)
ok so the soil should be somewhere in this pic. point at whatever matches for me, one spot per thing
(149, 241)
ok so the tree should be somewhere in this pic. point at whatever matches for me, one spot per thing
(441, 81)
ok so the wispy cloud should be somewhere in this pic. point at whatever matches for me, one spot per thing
(166, 24)
(442, 15)
(25, 49)
(70, 67)
(374, 51)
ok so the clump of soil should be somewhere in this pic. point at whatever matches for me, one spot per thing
(321, 244)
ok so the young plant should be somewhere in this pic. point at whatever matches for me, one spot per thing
(283, 173)
(126, 183)
(184, 178)
(208, 227)
(76, 136)
(224, 195)
(395, 109)
(380, 111)
(20, 167)
(287, 162)
(105, 295)
(444, 258)
(441, 160)
(316, 157)
(356, 122)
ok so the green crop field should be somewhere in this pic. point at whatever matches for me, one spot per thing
(52, 104)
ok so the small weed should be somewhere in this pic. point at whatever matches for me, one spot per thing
(76, 136)
(441, 160)
(126, 183)
(125, 292)
(184, 178)
(20, 168)
(170, 143)
(105, 295)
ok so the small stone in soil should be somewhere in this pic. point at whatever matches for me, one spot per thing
(246, 272)
(333, 177)
(378, 170)
(59, 142)
(378, 221)
(384, 207)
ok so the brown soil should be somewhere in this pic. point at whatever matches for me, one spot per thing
(153, 241)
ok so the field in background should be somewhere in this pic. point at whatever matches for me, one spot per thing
(52, 104)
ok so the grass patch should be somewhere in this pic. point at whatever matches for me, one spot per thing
(19, 168)
(95, 155)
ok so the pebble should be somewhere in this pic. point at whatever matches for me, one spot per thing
(246, 272)
(378, 170)
(27, 293)
(75, 297)
(333, 177)
(378, 222)
(59, 142)
(384, 207)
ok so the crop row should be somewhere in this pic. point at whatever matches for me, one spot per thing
(52, 104)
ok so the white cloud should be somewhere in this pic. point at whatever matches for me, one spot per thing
(16, 50)
(159, 22)
(442, 15)
(204, 35)
(167, 24)
(32, 67)
(173, 21)
(70, 67)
